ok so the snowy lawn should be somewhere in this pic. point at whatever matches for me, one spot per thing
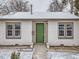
(24, 53)
(63, 55)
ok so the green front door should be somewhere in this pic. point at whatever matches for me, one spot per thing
(39, 32)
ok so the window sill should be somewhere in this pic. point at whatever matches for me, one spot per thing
(13, 38)
(65, 38)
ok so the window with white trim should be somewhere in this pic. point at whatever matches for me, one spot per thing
(13, 30)
(65, 30)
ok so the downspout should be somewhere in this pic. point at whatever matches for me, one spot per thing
(31, 9)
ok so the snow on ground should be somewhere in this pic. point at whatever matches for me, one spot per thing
(63, 55)
(5, 55)
(24, 53)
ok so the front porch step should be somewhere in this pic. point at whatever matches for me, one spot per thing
(40, 51)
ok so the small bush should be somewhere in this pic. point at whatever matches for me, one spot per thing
(15, 56)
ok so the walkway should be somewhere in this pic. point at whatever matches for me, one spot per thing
(40, 51)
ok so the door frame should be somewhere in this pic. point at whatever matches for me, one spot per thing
(34, 31)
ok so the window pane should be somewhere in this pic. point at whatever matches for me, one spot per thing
(61, 30)
(9, 26)
(69, 26)
(17, 26)
(17, 32)
(69, 33)
(61, 33)
(69, 30)
(9, 32)
(61, 26)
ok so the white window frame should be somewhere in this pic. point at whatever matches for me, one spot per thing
(13, 30)
(65, 30)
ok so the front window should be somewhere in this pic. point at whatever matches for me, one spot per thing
(13, 30)
(65, 30)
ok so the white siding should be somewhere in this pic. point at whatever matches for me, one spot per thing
(53, 34)
(26, 33)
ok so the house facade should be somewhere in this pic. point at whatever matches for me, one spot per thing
(53, 29)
